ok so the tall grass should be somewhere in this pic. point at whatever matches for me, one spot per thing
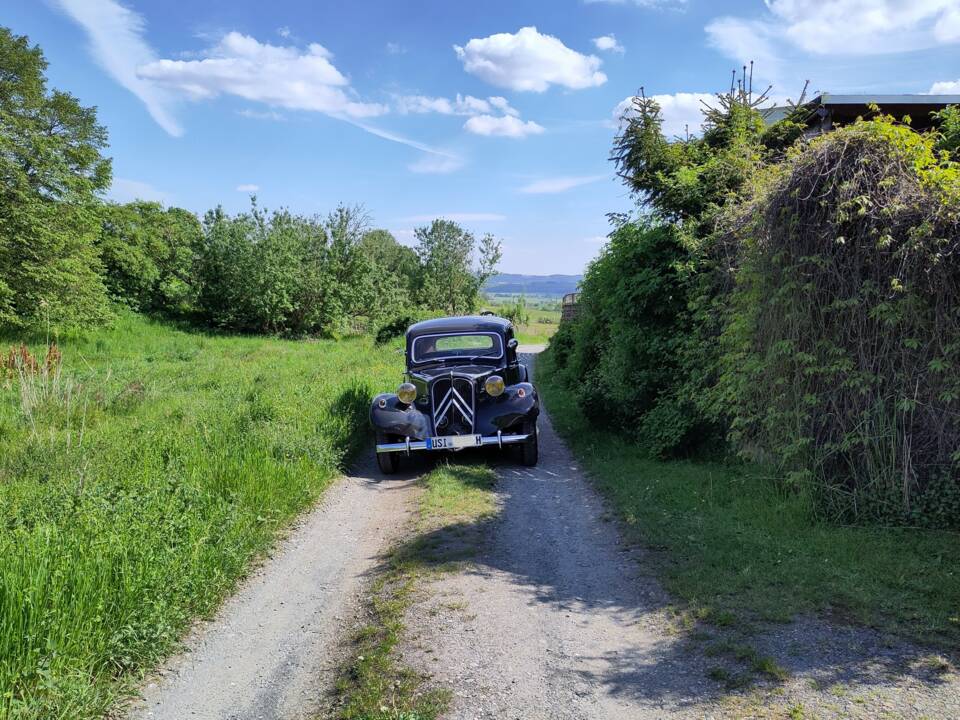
(137, 483)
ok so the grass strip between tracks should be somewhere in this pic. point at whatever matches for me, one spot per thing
(377, 685)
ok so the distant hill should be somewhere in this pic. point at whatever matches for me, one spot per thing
(552, 285)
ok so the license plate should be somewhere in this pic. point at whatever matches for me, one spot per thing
(452, 442)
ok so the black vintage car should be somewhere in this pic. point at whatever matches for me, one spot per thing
(464, 387)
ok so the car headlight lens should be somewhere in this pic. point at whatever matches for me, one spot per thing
(407, 393)
(494, 385)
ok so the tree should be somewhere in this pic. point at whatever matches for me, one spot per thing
(398, 261)
(147, 254)
(450, 281)
(51, 170)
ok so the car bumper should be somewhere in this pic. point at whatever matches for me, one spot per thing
(410, 445)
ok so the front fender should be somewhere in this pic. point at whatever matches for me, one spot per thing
(509, 409)
(389, 415)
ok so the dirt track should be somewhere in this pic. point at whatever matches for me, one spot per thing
(555, 619)
(271, 652)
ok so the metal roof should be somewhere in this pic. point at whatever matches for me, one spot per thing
(881, 100)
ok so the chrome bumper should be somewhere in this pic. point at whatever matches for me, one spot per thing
(408, 445)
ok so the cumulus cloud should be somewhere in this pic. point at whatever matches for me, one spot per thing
(839, 27)
(505, 126)
(247, 188)
(945, 87)
(460, 105)
(555, 185)
(680, 111)
(115, 35)
(608, 43)
(529, 61)
(285, 77)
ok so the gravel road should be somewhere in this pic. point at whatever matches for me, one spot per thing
(272, 650)
(557, 618)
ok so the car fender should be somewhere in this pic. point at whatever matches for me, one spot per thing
(389, 415)
(518, 402)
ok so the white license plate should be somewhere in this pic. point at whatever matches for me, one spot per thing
(451, 442)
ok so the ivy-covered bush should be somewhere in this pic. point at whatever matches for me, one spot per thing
(842, 343)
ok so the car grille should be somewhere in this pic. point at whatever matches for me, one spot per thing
(453, 399)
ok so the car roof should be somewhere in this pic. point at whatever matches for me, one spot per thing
(465, 323)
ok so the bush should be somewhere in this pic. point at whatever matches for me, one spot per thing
(147, 255)
(621, 355)
(843, 340)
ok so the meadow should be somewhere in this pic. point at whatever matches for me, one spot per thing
(738, 545)
(140, 478)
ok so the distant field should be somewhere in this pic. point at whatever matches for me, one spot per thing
(547, 286)
(136, 487)
(543, 313)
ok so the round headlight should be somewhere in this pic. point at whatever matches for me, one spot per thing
(494, 385)
(407, 393)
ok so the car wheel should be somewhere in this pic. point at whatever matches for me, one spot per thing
(388, 462)
(530, 450)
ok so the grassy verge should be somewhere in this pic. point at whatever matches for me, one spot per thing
(136, 486)
(736, 545)
(377, 685)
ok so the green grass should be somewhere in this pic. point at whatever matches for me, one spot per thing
(377, 685)
(136, 489)
(730, 540)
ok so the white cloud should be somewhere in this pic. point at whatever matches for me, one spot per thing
(529, 61)
(247, 188)
(505, 126)
(261, 114)
(455, 217)
(460, 105)
(608, 43)
(276, 76)
(945, 87)
(116, 41)
(436, 165)
(501, 104)
(283, 32)
(681, 111)
(838, 27)
(551, 186)
(125, 190)
(395, 48)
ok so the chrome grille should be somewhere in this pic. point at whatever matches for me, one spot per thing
(453, 400)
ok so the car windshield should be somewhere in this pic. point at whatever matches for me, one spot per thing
(462, 345)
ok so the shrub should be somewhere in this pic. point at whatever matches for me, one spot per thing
(843, 340)
(621, 355)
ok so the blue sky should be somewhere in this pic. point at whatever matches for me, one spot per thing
(498, 114)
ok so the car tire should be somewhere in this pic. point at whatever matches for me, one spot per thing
(388, 462)
(530, 450)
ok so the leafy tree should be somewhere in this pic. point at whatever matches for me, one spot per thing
(383, 251)
(51, 169)
(147, 254)
(450, 277)
(283, 273)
